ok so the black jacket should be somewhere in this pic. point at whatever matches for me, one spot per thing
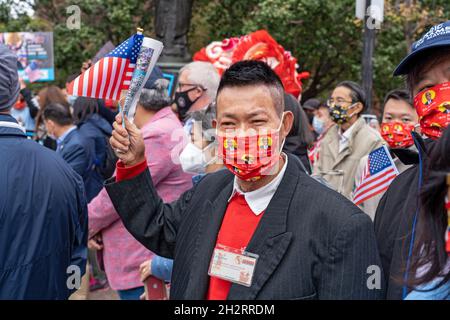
(299, 137)
(311, 241)
(393, 224)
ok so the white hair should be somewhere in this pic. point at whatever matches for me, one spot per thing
(203, 74)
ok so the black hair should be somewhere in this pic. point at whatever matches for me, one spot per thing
(83, 108)
(300, 127)
(251, 72)
(312, 103)
(356, 92)
(429, 256)
(58, 113)
(398, 94)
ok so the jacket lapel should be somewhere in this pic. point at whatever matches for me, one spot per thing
(270, 240)
(332, 139)
(348, 150)
(342, 155)
(65, 140)
(210, 222)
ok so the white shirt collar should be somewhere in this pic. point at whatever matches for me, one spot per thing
(259, 199)
(344, 138)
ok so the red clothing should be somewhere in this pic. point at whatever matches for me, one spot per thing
(124, 173)
(237, 229)
(238, 226)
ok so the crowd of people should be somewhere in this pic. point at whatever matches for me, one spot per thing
(231, 173)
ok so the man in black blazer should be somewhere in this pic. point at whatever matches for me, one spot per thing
(312, 243)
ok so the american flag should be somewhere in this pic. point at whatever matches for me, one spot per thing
(110, 75)
(378, 174)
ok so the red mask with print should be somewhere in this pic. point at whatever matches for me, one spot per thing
(397, 134)
(250, 157)
(433, 108)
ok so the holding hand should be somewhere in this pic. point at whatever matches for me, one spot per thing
(145, 269)
(127, 143)
(96, 242)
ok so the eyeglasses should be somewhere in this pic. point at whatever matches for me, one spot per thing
(181, 84)
(331, 102)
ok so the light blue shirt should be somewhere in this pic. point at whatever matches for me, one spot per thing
(61, 138)
(24, 118)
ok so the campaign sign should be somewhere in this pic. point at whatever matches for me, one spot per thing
(34, 51)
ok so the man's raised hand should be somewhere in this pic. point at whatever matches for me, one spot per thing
(127, 142)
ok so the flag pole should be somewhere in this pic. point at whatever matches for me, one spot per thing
(139, 31)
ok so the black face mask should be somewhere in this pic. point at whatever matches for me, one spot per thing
(183, 102)
(340, 115)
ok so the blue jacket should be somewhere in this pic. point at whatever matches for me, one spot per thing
(79, 154)
(94, 131)
(43, 219)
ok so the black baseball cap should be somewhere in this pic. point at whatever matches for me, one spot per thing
(312, 104)
(438, 36)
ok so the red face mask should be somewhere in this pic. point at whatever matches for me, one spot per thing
(397, 134)
(250, 157)
(20, 104)
(433, 108)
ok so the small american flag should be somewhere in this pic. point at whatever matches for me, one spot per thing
(378, 174)
(110, 75)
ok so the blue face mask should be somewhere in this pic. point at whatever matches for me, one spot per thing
(318, 125)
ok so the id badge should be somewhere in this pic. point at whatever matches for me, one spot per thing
(233, 265)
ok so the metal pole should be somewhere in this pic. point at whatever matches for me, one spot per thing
(367, 57)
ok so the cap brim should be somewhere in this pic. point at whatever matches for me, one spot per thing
(406, 64)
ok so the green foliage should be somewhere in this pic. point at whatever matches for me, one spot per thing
(323, 35)
(101, 21)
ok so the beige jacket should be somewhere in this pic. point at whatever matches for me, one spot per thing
(339, 168)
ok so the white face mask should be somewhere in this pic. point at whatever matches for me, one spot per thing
(193, 159)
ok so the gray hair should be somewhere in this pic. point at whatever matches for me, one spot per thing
(203, 74)
(205, 117)
(157, 97)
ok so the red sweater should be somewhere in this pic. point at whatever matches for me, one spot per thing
(238, 226)
(237, 229)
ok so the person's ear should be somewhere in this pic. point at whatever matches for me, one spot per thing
(197, 93)
(358, 109)
(288, 121)
(49, 125)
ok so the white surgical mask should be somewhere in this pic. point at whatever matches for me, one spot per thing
(193, 159)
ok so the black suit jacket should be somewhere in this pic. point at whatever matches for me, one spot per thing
(311, 241)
